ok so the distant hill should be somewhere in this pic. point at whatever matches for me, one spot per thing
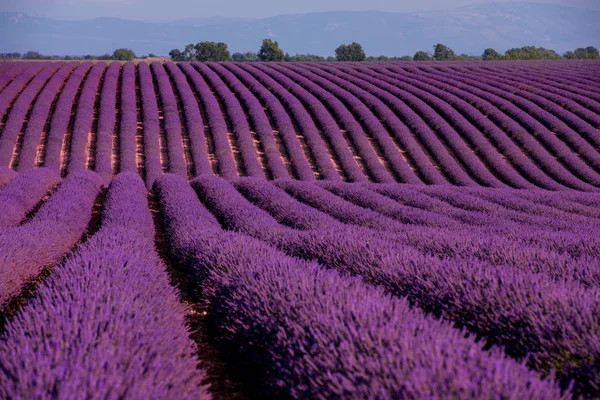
(467, 30)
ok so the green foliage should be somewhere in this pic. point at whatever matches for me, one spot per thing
(176, 55)
(531, 53)
(189, 52)
(421, 56)
(350, 52)
(10, 56)
(245, 57)
(270, 51)
(33, 55)
(211, 51)
(304, 57)
(443, 53)
(123, 54)
(491, 54)
(588, 53)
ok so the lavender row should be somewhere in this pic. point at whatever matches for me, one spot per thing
(356, 135)
(226, 164)
(193, 120)
(275, 167)
(128, 123)
(106, 122)
(373, 111)
(39, 115)
(547, 114)
(153, 163)
(237, 118)
(80, 143)
(112, 303)
(554, 321)
(541, 133)
(331, 130)
(263, 306)
(6, 175)
(49, 235)
(61, 118)
(511, 125)
(10, 92)
(21, 194)
(469, 108)
(8, 74)
(277, 97)
(14, 123)
(390, 153)
(170, 109)
(281, 121)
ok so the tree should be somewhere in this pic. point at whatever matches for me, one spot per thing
(33, 55)
(176, 55)
(212, 51)
(421, 56)
(270, 51)
(531, 53)
(491, 54)
(350, 52)
(189, 52)
(304, 57)
(123, 54)
(589, 52)
(245, 57)
(443, 53)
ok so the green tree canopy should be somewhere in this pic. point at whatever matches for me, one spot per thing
(589, 52)
(531, 53)
(442, 53)
(123, 54)
(176, 55)
(244, 57)
(33, 55)
(491, 54)
(189, 52)
(270, 51)
(350, 52)
(212, 51)
(421, 56)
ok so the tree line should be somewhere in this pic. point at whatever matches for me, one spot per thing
(271, 51)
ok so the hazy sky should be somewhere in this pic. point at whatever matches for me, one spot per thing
(182, 9)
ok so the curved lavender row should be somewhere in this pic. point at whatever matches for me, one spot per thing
(391, 154)
(193, 120)
(498, 97)
(327, 124)
(344, 118)
(554, 321)
(39, 115)
(569, 202)
(495, 110)
(22, 193)
(128, 125)
(281, 120)
(7, 75)
(10, 92)
(457, 109)
(106, 122)
(275, 167)
(59, 122)
(283, 207)
(547, 113)
(571, 81)
(518, 249)
(6, 175)
(49, 235)
(293, 106)
(80, 137)
(579, 105)
(112, 303)
(218, 129)
(471, 108)
(14, 123)
(420, 162)
(173, 129)
(417, 126)
(237, 117)
(152, 152)
(263, 304)
(441, 139)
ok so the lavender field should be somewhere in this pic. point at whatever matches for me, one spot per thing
(300, 230)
